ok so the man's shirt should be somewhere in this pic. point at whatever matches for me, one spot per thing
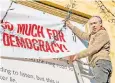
(98, 48)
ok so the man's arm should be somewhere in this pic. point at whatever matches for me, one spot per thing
(80, 34)
(101, 39)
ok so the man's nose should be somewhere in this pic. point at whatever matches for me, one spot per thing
(93, 26)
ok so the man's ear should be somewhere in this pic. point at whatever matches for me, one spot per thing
(101, 24)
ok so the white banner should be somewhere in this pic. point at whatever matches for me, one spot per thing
(31, 72)
(37, 71)
(29, 33)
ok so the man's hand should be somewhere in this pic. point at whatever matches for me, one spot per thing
(72, 58)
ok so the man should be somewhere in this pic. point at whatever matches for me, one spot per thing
(98, 49)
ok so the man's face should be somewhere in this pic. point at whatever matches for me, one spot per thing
(94, 24)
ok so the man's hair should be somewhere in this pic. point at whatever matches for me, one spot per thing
(99, 18)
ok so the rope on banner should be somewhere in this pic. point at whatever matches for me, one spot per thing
(70, 7)
(2, 20)
(7, 12)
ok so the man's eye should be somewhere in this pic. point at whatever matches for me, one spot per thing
(94, 22)
(91, 23)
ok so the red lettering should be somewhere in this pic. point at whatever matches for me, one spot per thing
(34, 28)
(38, 45)
(60, 46)
(6, 39)
(55, 33)
(65, 48)
(21, 28)
(49, 33)
(48, 47)
(20, 42)
(7, 25)
(12, 41)
(54, 45)
(28, 43)
(40, 31)
(27, 29)
(41, 45)
(34, 44)
(61, 36)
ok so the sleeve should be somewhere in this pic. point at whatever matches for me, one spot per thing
(80, 34)
(100, 40)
